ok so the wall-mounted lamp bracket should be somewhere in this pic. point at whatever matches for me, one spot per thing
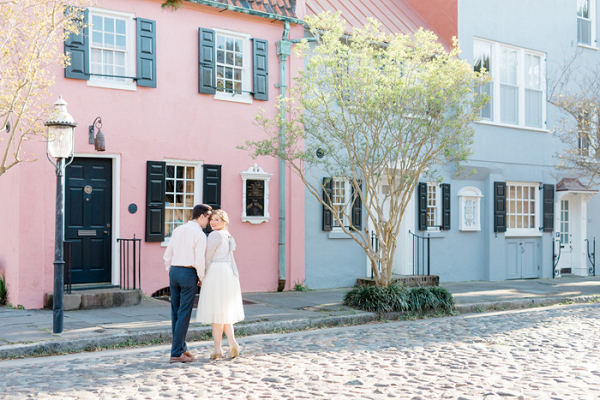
(97, 139)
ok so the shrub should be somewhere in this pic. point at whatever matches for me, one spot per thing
(396, 297)
(3, 290)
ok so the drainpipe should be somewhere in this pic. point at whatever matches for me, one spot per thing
(284, 47)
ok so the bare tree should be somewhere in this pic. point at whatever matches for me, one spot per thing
(31, 32)
(373, 109)
(575, 92)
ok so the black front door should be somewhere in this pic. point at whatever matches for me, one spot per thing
(88, 206)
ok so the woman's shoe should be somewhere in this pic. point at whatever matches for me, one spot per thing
(217, 355)
(234, 352)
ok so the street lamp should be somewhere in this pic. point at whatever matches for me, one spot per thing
(60, 146)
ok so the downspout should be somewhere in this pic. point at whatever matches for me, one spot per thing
(284, 49)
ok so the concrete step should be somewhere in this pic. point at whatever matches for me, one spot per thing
(98, 298)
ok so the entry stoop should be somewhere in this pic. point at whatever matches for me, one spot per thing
(406, 280)
(98, 298)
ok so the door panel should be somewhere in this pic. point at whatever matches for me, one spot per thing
(88, 218)
(528, 260)
(513, 265)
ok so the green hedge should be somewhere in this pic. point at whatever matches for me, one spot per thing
(398, 298)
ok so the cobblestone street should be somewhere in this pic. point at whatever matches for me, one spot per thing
(543, 353)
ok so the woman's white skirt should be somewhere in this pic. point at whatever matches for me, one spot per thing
(220, 297)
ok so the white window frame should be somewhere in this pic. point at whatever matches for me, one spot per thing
(245, 97)
(130, 53)
(197, 185)
(496, 100)
(533, 231)
(435, 188)
(592, 21)
(345, 204)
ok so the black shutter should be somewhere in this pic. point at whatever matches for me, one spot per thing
(548, 208)
(445, 206)
(260, 69)
(155, 201)
(499, 206)
(327, 217)
(146, 52)
(78, 47)
(357, 208)
(207, 80)
(422, 205)
(211, 188)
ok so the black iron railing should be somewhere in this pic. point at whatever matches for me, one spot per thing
(556, 258)
(67, 256)
(130, 260)
(421, 254)
(591, 257)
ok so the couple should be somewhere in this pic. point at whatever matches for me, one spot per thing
(193, 261)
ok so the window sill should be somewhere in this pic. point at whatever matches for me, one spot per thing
(112, 85)
(339, 235)
(519, 127)
(238, 98)
(585, 46)
(518, 234)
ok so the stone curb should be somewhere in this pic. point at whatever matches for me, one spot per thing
(64, 345)
(489, 306)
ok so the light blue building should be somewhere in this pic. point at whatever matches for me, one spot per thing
(516, 212)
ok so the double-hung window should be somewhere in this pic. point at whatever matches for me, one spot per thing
(517, 87)
(588, 132)
(585, 22)
(232, 65)
(522, 208)
(111, 49)
(481, 63)
(114, 49)
(434, 208)
(341, 195)
(182, 193)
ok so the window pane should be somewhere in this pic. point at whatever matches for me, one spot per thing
(509, 104)
(220, 42)
(189, 173)
(238, 45)
(229, 58)
(508, 66)
(121, 42)
(238, 60)
(97, 23)
(180, 172)
(96, 38)
(120, 27)
(109, 40)
(109, 25)
(583, 8)
(532, 72)
(533, 107)
(220, 56)
(584, 31)
(229, 44)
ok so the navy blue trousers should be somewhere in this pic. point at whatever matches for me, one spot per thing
(184, 286)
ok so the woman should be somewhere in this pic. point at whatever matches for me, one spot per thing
(220, 301)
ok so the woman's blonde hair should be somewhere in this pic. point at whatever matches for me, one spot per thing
(222, 214)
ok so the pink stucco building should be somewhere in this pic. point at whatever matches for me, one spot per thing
(202, 73)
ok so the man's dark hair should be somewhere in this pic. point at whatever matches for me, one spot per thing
(201, 209)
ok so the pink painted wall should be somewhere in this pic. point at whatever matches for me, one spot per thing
(172, 121)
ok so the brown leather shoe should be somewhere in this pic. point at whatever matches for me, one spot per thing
(183, 358)
(190, 354)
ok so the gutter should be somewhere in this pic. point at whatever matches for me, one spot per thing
(247, 11)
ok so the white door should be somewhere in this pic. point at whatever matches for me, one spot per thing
(403, 259)
(566, 235)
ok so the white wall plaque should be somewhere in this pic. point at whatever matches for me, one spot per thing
(255, 195)
(470, 208)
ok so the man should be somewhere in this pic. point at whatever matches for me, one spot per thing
(184, 260)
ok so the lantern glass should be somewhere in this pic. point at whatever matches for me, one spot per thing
(60, 141)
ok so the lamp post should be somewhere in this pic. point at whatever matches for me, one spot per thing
(59, 146)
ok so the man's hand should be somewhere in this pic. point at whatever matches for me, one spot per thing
(199, 282)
